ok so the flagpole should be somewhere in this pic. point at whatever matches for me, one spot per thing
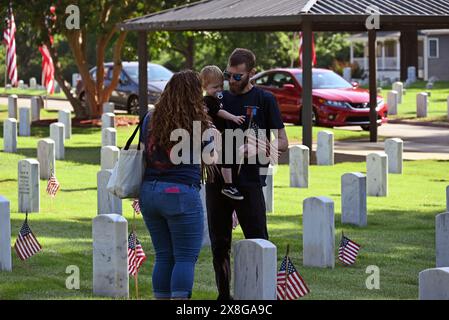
(286, 271)
(136, 279)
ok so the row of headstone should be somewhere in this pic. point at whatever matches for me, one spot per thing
(255, 262)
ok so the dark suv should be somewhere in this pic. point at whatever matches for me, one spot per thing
(125, 96)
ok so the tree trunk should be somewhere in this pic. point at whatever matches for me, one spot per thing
(190, 53)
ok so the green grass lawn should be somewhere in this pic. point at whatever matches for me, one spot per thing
(437, 108)
(30, 92)
(399, 238)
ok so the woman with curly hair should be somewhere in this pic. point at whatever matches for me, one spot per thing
(170, 193)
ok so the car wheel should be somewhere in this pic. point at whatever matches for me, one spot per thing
(133, 105)
(365, 127)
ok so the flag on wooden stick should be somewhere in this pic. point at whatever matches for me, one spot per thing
(136, 255)
(348, 251)
(52, 186)
(26, 244)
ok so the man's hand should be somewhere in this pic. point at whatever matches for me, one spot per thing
(238, 119)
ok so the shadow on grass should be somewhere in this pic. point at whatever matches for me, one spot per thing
(82, 155)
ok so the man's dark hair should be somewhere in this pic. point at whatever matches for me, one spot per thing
(240, 56)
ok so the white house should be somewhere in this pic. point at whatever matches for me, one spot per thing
(433, 54)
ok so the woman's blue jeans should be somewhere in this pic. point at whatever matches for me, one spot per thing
(173, 214)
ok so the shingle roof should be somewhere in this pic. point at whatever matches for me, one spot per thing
(260, 15)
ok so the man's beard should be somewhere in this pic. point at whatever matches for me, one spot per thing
(239, 87)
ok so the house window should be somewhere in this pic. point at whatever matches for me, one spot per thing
(433, 48)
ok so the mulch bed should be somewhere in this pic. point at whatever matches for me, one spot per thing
(120, 121)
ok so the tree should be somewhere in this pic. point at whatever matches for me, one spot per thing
(98, 24)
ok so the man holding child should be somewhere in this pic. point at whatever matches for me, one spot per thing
(239, 186)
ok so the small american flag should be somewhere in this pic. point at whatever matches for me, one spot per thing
(136, 206)
(26, 244)
(348, 251)
(290, 287)
(136, 255)
(52, 186)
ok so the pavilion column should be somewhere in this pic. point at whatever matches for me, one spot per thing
(142, 51)
(372, 84)
(307, 84)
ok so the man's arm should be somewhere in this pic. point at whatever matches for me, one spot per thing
(281, 140)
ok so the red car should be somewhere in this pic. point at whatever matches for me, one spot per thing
(336, 102)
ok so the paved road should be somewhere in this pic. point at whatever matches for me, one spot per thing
(420, 142)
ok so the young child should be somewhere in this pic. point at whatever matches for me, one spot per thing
(212, 80)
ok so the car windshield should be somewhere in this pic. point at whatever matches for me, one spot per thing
(155, 73)
(326, 80)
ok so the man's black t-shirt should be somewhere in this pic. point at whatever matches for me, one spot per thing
(267, 116)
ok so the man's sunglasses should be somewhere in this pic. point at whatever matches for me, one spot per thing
(236, 76)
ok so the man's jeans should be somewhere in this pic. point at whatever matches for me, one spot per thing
(173, 214)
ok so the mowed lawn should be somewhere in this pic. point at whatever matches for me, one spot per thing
(399, 238)
(437, 109)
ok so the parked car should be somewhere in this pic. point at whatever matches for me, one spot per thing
(336, 102)
(126, 94)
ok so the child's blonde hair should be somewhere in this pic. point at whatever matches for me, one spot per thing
(210, 74)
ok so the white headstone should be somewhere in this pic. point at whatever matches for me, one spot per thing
(394, 149)
(318, 232)
(109, 137)
(347, 74)
(28, 183)
(46, 158)
(392, 102)
(299, 159)
(24, 121)
(108, 107)
(21, 84)
(12, 106)
(442, 239)
(57, 133)
(434, 284)
(325, 148)
(411, 74)
(65, 117)
(399, 88)
(447, 198)
(107, 203)
(75, 78)
(109, 157)
(255, 265)
(36, 106)
(57, 88)
(110, 256)
(5, 235)
(268, 191)
(33, 83)
(353, 199)
(421, 104)
(107, 120)
(10, 135)
(377, 174)
(206, 237)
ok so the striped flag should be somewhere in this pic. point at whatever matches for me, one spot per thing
(26, 244)
(313, 50)
(136, 255)
(52, 186)
(348, 251)
(48, 70)
(136, 206)
(9, 39)
(290, 284)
